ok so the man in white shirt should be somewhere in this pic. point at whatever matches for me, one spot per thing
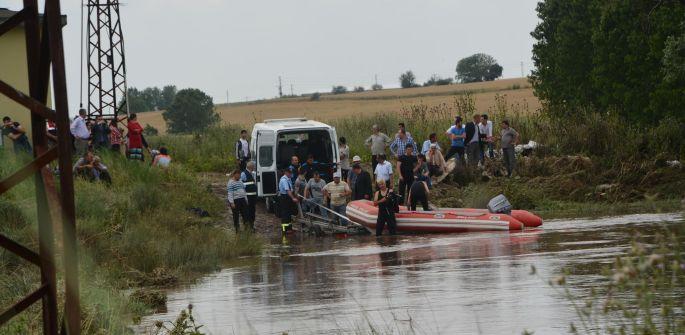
(485, 127)
(80, 132)
(242, 150)
(432, 139)
(383, 171)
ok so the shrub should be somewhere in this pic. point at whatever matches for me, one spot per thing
(359, 89)
(315, 96)
(150, 130)
(339, 90)
(376, 87)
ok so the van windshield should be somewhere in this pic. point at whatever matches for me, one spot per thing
(302, 143)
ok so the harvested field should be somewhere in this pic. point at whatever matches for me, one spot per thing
(517, 90)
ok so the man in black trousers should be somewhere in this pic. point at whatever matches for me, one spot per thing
(473, 144)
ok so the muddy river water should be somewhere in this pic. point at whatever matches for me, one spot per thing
(427, 284)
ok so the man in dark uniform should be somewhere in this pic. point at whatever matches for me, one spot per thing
(247, 177)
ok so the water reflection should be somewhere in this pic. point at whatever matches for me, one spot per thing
(467, 283)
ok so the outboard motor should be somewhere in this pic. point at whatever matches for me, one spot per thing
(500, 205)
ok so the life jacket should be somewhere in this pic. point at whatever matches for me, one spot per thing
(250, 186)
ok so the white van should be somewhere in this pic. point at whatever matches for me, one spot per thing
(275, 141)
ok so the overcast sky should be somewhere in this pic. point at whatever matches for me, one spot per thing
(243, 46)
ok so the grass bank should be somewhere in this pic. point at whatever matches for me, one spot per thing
(136, 233)
(591, 164)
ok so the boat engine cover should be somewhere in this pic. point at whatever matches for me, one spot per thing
(499, 204)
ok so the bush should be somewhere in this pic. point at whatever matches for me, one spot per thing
(339, 90)
(359, 89)
(376, 87)
(150, 130)
(315, 96)
(437, 81)
(408, 80)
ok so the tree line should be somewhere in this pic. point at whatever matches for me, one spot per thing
(475, 68)
(624, 57)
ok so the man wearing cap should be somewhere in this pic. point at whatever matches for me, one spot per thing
(352, 177)
(361, 189)
(337, 191)
(432, 139)
(287, 199)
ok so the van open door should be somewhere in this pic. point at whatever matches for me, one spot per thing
(336, 153)
(265, 150)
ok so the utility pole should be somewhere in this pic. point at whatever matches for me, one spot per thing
(291, 90)
(375, 79)
(280, 87)
(522, 75)
(226, 96)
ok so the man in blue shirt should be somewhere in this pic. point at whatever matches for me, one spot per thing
(400, 143)
(457, 134)
(432, 138)
(294, 167)
(310, 166)
(287, 199)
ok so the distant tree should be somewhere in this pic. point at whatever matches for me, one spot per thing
(435, 80)
(192, 110)
(615, 56)
(376, 87)
(150, 130)
(359, 89)
(478, 67)
(408, 80)
(339, 90)
(153, 96)
(167, 96)
(315, 96)
(136, 101)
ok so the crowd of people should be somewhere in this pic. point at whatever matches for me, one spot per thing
(301, 187)
(89, 137)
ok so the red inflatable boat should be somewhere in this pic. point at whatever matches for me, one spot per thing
(444, 220)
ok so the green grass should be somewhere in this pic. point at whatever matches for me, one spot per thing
(136, 232)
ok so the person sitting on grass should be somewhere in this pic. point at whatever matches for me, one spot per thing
(436, 162)
(162, 159)
(90, 167)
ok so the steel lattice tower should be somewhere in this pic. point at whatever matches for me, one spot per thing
(107, 93)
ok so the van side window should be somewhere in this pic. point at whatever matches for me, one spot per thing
(266, 156)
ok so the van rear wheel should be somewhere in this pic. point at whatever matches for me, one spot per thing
(270, 204)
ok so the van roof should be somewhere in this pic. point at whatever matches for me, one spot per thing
(291, 123)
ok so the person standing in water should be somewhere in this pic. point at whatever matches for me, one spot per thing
(383, 198)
